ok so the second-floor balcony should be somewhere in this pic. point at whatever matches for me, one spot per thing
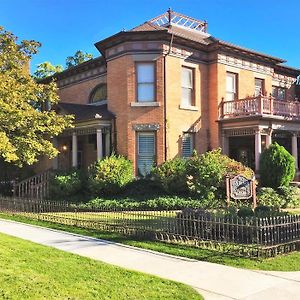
(259, 106)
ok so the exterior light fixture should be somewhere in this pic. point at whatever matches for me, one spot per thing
(64, 147)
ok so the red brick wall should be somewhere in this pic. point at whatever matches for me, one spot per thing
(79, 93)
(121, 92)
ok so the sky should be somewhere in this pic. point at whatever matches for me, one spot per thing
(65, 26)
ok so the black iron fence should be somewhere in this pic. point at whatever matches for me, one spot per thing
(250, 237)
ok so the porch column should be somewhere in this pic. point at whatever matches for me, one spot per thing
(107, 143)
(99, 144)
(257, 149)
(269, 138)
(55, 159)
(295, 149)
(225, 145)
(74, 150)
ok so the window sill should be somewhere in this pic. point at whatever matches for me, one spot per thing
(190, 107)
(144, 104)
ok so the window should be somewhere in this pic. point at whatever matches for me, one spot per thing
(279, 93)
(259, 87)
(231, 86)
(187, 86)
(145, 152)
(145, 82)
(187, 144)
(99, 93)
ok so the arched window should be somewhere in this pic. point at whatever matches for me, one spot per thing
(99, 93)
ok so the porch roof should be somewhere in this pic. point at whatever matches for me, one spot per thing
(84, 112)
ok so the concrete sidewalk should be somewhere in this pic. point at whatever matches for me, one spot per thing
(213, 281)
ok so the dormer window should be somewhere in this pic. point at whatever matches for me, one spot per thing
(99, 93)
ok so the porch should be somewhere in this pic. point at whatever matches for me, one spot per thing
(90, 140)
(246, 144)
(80, 147)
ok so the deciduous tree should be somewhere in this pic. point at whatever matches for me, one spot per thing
(78, 58)
(46, 69)
(25, 128)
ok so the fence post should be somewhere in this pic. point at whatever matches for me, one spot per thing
(227, 191)
(254, 192)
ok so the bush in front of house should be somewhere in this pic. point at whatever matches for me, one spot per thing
(110, 175)
(290, 195)
(207, 173)
(277, 167)
(267, 196)
(66, 186)
(172, 175)
(158, 203)
(142, 188)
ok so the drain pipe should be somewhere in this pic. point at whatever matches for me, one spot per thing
(165, 94)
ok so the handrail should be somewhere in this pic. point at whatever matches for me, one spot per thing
(259, 105)
(36, 186)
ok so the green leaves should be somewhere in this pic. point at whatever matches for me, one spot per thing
(25, 128)
(46, 69)
(110, 175)
(277, 167)
(78, 58)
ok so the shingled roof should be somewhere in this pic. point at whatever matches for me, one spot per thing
(85, 112)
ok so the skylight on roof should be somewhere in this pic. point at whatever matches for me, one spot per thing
(173, 18)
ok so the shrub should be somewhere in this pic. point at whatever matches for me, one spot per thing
(277, 167)
(110, 175)
(269, 197)
(6, 188)
(290, 195)
(245, 212)
(172, 176)
(66, 186)
(263, 211)
(159, 203)
(207, 173)
(144, 188)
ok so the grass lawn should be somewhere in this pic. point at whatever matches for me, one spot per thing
(289, 262)
(32, 271)
(293, 211)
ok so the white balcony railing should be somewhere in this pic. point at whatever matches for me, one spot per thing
(260, 105)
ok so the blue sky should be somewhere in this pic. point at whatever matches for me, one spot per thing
(64, 26)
